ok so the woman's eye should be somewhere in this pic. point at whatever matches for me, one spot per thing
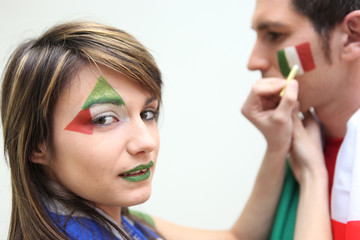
(104, 120)
(149, 115)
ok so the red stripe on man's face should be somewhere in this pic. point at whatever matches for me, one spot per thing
(81, 123)
(305, 55)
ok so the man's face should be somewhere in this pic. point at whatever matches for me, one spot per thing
(278, 25)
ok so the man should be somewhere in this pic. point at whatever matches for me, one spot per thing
(332, 27)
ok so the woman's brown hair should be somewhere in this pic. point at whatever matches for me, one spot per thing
(36, 73)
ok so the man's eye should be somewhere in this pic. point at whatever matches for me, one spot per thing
(104, 120)
(273, 36)
(149, 115)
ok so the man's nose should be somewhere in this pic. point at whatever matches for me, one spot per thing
(258, 59)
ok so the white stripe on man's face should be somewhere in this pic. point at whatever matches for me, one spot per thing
(293, 59)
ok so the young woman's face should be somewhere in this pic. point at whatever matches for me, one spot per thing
(105, 139)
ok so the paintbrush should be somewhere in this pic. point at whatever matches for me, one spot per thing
(290, 77)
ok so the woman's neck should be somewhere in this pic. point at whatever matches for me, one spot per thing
(113, 212)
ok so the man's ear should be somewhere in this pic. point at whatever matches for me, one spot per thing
(40, 155)
(351, 26)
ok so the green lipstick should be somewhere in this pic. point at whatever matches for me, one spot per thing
(139, 173)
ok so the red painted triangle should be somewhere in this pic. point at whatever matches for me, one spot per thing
(81, 123)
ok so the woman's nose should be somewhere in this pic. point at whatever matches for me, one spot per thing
(143, 139)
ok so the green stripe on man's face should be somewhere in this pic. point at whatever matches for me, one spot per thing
(283, 63)
(103, 92)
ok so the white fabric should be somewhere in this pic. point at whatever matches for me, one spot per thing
(345, 198)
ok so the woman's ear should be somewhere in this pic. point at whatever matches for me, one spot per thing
(351, 27)
(40, 155)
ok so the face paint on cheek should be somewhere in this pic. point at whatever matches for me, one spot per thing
(300, 55)
(103, 93)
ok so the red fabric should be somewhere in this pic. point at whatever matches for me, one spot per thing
(338, 230)
(353, 230)
(332, 146)
(305, 55)
(349, 231)
(331, 150)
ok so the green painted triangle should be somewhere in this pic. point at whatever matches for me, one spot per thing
(103, 92)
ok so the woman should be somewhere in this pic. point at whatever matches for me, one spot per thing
(79, 113)
(45, 81)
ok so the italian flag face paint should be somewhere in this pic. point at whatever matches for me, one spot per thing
(296, 55)
(103, 93)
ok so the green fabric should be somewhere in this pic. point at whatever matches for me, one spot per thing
(284, 223)
(147, 218)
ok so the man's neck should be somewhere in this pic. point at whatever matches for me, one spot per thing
(335, 116)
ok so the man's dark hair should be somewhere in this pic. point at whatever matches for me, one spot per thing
(325, 15)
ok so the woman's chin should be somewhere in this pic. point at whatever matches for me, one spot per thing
(137, 198)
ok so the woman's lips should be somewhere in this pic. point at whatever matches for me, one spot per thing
(139, 173)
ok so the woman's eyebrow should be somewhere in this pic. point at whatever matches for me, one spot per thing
(150, 100)
(103, 92)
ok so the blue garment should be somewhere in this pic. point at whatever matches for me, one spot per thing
(80, 228)
(83, 228)
(138, 230)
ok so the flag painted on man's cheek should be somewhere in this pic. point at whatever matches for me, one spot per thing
(103, 93)
(300, 55)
